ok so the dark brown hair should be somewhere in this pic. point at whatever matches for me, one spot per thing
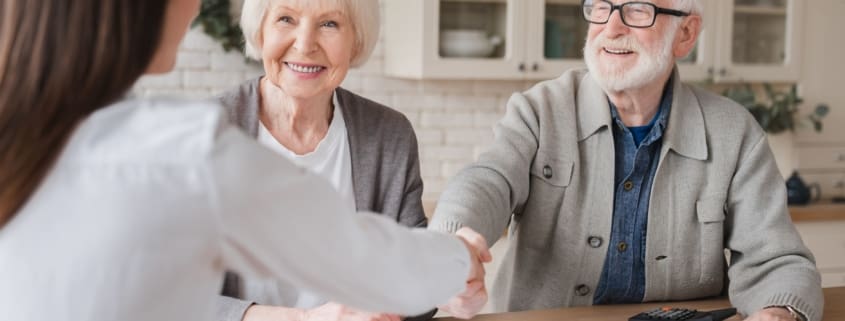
(60, 61)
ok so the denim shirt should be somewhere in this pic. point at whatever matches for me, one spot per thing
(623, 275)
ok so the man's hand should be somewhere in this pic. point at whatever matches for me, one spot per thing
(771, 314)
(327, 312)
(468, 303)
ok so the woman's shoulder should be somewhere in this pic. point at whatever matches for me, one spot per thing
(171, 130)
(359, 111)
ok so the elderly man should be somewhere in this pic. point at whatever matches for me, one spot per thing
(622, 185)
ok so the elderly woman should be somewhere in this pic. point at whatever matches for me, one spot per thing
(367, 151)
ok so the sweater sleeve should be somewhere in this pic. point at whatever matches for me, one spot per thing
(280, 221)
(770, 266)
(231, 309)
(483, 195)
(411, 210)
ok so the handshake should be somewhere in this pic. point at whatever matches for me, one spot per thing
(469, 302)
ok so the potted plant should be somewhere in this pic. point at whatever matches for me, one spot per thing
(778, 114)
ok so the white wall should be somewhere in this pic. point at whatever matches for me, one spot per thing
(823, 69)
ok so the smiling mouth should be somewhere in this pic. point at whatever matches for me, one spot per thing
(304, 69)
(618, 51)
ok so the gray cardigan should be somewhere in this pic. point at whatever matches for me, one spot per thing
(550, 174)
(385, 167)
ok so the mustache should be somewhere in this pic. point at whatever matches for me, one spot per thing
(624, 43)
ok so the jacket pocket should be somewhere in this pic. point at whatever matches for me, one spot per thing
(534, 223)
(551, 170)
(711, 218)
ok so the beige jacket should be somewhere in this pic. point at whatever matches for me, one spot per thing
(549, 173)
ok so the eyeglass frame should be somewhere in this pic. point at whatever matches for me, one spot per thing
(618, 7)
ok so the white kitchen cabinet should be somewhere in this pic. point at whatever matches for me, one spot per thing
(827, 242)
(757, 40)
(742, 40)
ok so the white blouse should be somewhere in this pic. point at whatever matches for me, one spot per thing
(151, 201)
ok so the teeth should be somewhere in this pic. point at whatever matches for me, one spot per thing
(618, 52)
(304, 69)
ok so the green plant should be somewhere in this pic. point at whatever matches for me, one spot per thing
(216, 20)
(779, 111)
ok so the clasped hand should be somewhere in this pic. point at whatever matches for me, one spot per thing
(468, 303)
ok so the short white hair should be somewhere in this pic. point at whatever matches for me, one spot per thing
(691, 6)
(363, 14)
(694, 7)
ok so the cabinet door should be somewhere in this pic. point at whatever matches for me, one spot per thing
(454, 39)
(698, 65)
(759, 40)
(556, 32)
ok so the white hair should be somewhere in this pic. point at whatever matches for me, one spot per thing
(691, 6)
(363, 14)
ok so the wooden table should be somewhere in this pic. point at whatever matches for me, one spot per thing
(834, 310)
(818, 212)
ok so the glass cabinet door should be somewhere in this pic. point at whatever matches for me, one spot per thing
(761, 40)
(564, 30)
(556, 30)
(759, 32)
(472, 29)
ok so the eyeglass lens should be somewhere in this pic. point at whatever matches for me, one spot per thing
(634, 14)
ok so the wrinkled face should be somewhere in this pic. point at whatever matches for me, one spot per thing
(621, 58)
(306, 47)
(177, 19)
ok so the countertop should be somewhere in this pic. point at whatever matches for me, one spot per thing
(818, 212)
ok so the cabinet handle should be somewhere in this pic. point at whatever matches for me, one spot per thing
(841, 158)
(521, 67)
(723, 72)
(711, 71)
(535, 67)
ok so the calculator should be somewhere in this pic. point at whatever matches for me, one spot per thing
(678, 314)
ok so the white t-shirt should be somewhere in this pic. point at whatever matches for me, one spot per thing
(151, 201)
(331, 160)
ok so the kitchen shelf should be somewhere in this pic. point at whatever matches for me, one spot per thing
(758, 10)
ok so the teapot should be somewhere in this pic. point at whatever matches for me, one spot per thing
(798, 192)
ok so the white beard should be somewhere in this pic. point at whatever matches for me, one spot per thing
(650, 65)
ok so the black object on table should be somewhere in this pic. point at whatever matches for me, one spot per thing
(679, 314)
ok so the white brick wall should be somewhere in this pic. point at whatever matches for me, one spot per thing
(453, 119)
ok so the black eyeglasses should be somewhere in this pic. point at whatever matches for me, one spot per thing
(634, 14)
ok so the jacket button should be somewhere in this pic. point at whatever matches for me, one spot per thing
(582, 290)
(594, 241)
(547, 171)
(628, 185)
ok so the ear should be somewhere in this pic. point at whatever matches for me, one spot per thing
(687, 36)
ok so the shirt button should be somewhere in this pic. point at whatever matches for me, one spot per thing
(594, 241)
(547, 171)
(628, 185)
(582, 290)
(622, 246)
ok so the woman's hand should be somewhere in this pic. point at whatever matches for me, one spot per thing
(467, 304)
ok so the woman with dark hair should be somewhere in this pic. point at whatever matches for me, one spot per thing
(128, 209)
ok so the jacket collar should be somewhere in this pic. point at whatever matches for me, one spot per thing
(685, 133)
